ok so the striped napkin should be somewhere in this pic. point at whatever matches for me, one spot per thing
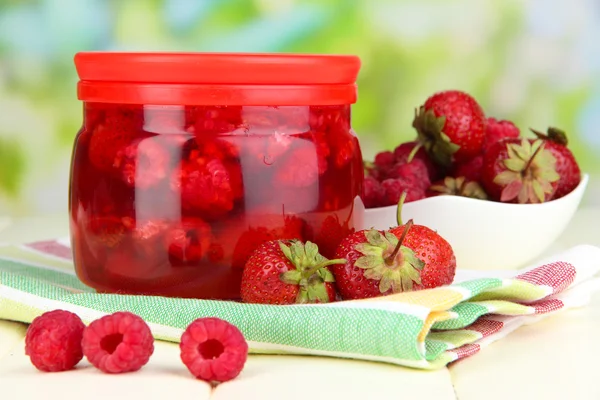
(426, 329)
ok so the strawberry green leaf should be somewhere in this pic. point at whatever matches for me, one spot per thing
(286, 251)
(326, 275)
(292, 277)
(368, 249)
(375, 238)
(368, 262)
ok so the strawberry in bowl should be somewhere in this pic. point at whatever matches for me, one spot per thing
(501, 198)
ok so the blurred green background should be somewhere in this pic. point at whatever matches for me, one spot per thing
(536, 62)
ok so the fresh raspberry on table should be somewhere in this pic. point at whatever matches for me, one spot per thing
(53, 341)
(117, 343)
(213, 349)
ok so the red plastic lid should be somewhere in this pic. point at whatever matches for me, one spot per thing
(217, 78)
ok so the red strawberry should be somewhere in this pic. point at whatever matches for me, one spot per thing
(188, 241)
(519, 171)
(205, 186)
(498, 130)
(302, 166)
(118, 128)
(556, 142)
(458, 187)
(471, 170)
(451, 126)
(406, 152)
(395, 187)
(406, 258)
(288, 272)
(332, 232)
(373, 192)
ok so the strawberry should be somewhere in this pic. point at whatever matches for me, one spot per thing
(406, 258)
(451, 126)
(460, 186)
(497, 130)
(288, 272)
(519, 171)
(118, 127)
(470, 170)
(409, 151)
(188, 241)
(332, 232)
(556, 142)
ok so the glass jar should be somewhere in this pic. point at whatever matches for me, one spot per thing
(187, 162)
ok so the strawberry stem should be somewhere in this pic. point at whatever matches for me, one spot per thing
(535, 153)
(413, 152)
(399, 209)
(309, 272)
(390, 259)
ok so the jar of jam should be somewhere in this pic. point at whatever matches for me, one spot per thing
(187, 162)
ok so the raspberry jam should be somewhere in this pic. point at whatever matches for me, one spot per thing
(171, 199)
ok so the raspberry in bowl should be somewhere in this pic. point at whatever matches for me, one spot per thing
(187, 162)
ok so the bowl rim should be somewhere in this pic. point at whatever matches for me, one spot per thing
(434, 199)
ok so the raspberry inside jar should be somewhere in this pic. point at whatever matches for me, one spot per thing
(172, 199)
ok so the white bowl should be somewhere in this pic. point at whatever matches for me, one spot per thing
(485, 234)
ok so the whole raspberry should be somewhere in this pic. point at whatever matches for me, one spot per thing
(385, 160)
(119, 342)
(373, 192)
(302, 166)
(205, 185)
(213, 349)
(188, 241)
(53, 341)
(414, 171)
(405, 151)
(498, 130)
(143, 163)
(394, 188)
